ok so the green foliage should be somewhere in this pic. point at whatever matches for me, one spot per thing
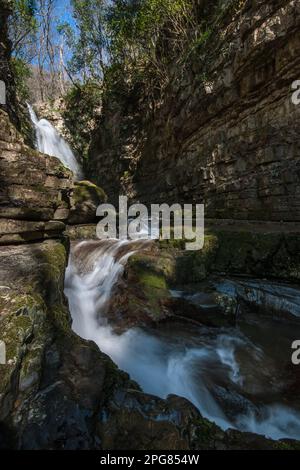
(144, 38)
(22, 73)
(152, 41)
(88, 41)
(136, 29)
(22, 28)
(82, 106)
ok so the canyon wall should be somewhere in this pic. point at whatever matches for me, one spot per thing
(102, 408)
(225, 132)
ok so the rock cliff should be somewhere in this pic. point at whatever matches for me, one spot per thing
(225, 131)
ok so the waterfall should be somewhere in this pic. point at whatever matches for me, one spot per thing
(49, 141)
(199, 364)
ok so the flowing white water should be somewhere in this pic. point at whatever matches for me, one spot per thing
(196, 369)
(50, 142)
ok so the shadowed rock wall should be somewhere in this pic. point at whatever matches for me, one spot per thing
(226, 135)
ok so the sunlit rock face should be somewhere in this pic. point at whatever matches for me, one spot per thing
(230, 139)
(34, 190)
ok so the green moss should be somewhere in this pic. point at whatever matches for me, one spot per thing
(238, 252)
(55, 255)
(60, 316)
(206, 433)
(154, 288)
(257, 253)
(153, 280)
(149, 273)
(85, 190)
(15, 330)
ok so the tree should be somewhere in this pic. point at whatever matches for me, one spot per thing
(22, 29)
(88, 40)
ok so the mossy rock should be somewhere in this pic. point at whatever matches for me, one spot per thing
(259, 254)
(82, 232)
(85, 199)
(143, 298)
(194, 266)
(85, 190)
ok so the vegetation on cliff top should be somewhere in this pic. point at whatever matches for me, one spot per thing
(103, 51)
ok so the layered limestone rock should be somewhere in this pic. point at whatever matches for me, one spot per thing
(225, 132)
(38, 195)
(34, 190)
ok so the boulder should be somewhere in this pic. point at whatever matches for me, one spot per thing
(84, 200)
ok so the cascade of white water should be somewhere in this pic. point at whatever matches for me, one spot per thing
(50, 142)
(168, 365)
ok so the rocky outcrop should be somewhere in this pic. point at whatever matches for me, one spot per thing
(34, 194)
(82, 232)
(58, 391)
(253, 252)
(225, 132)
(84, 201)
(142, 295)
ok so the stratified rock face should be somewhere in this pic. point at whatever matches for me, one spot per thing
(34, 190)
(231, 139)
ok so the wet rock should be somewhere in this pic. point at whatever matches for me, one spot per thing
(204, 306)
(270, 251)
(142, 296)
(267, 297)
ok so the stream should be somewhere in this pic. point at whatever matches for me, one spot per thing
(236, 376)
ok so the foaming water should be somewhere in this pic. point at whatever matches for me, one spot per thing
(200, 364)
(49, 141)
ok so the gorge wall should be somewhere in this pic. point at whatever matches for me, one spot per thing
(225, 132)
(58, 391)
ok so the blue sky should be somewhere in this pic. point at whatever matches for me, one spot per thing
(63, 11)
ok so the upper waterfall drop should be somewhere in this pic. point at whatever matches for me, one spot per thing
(49, 141)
